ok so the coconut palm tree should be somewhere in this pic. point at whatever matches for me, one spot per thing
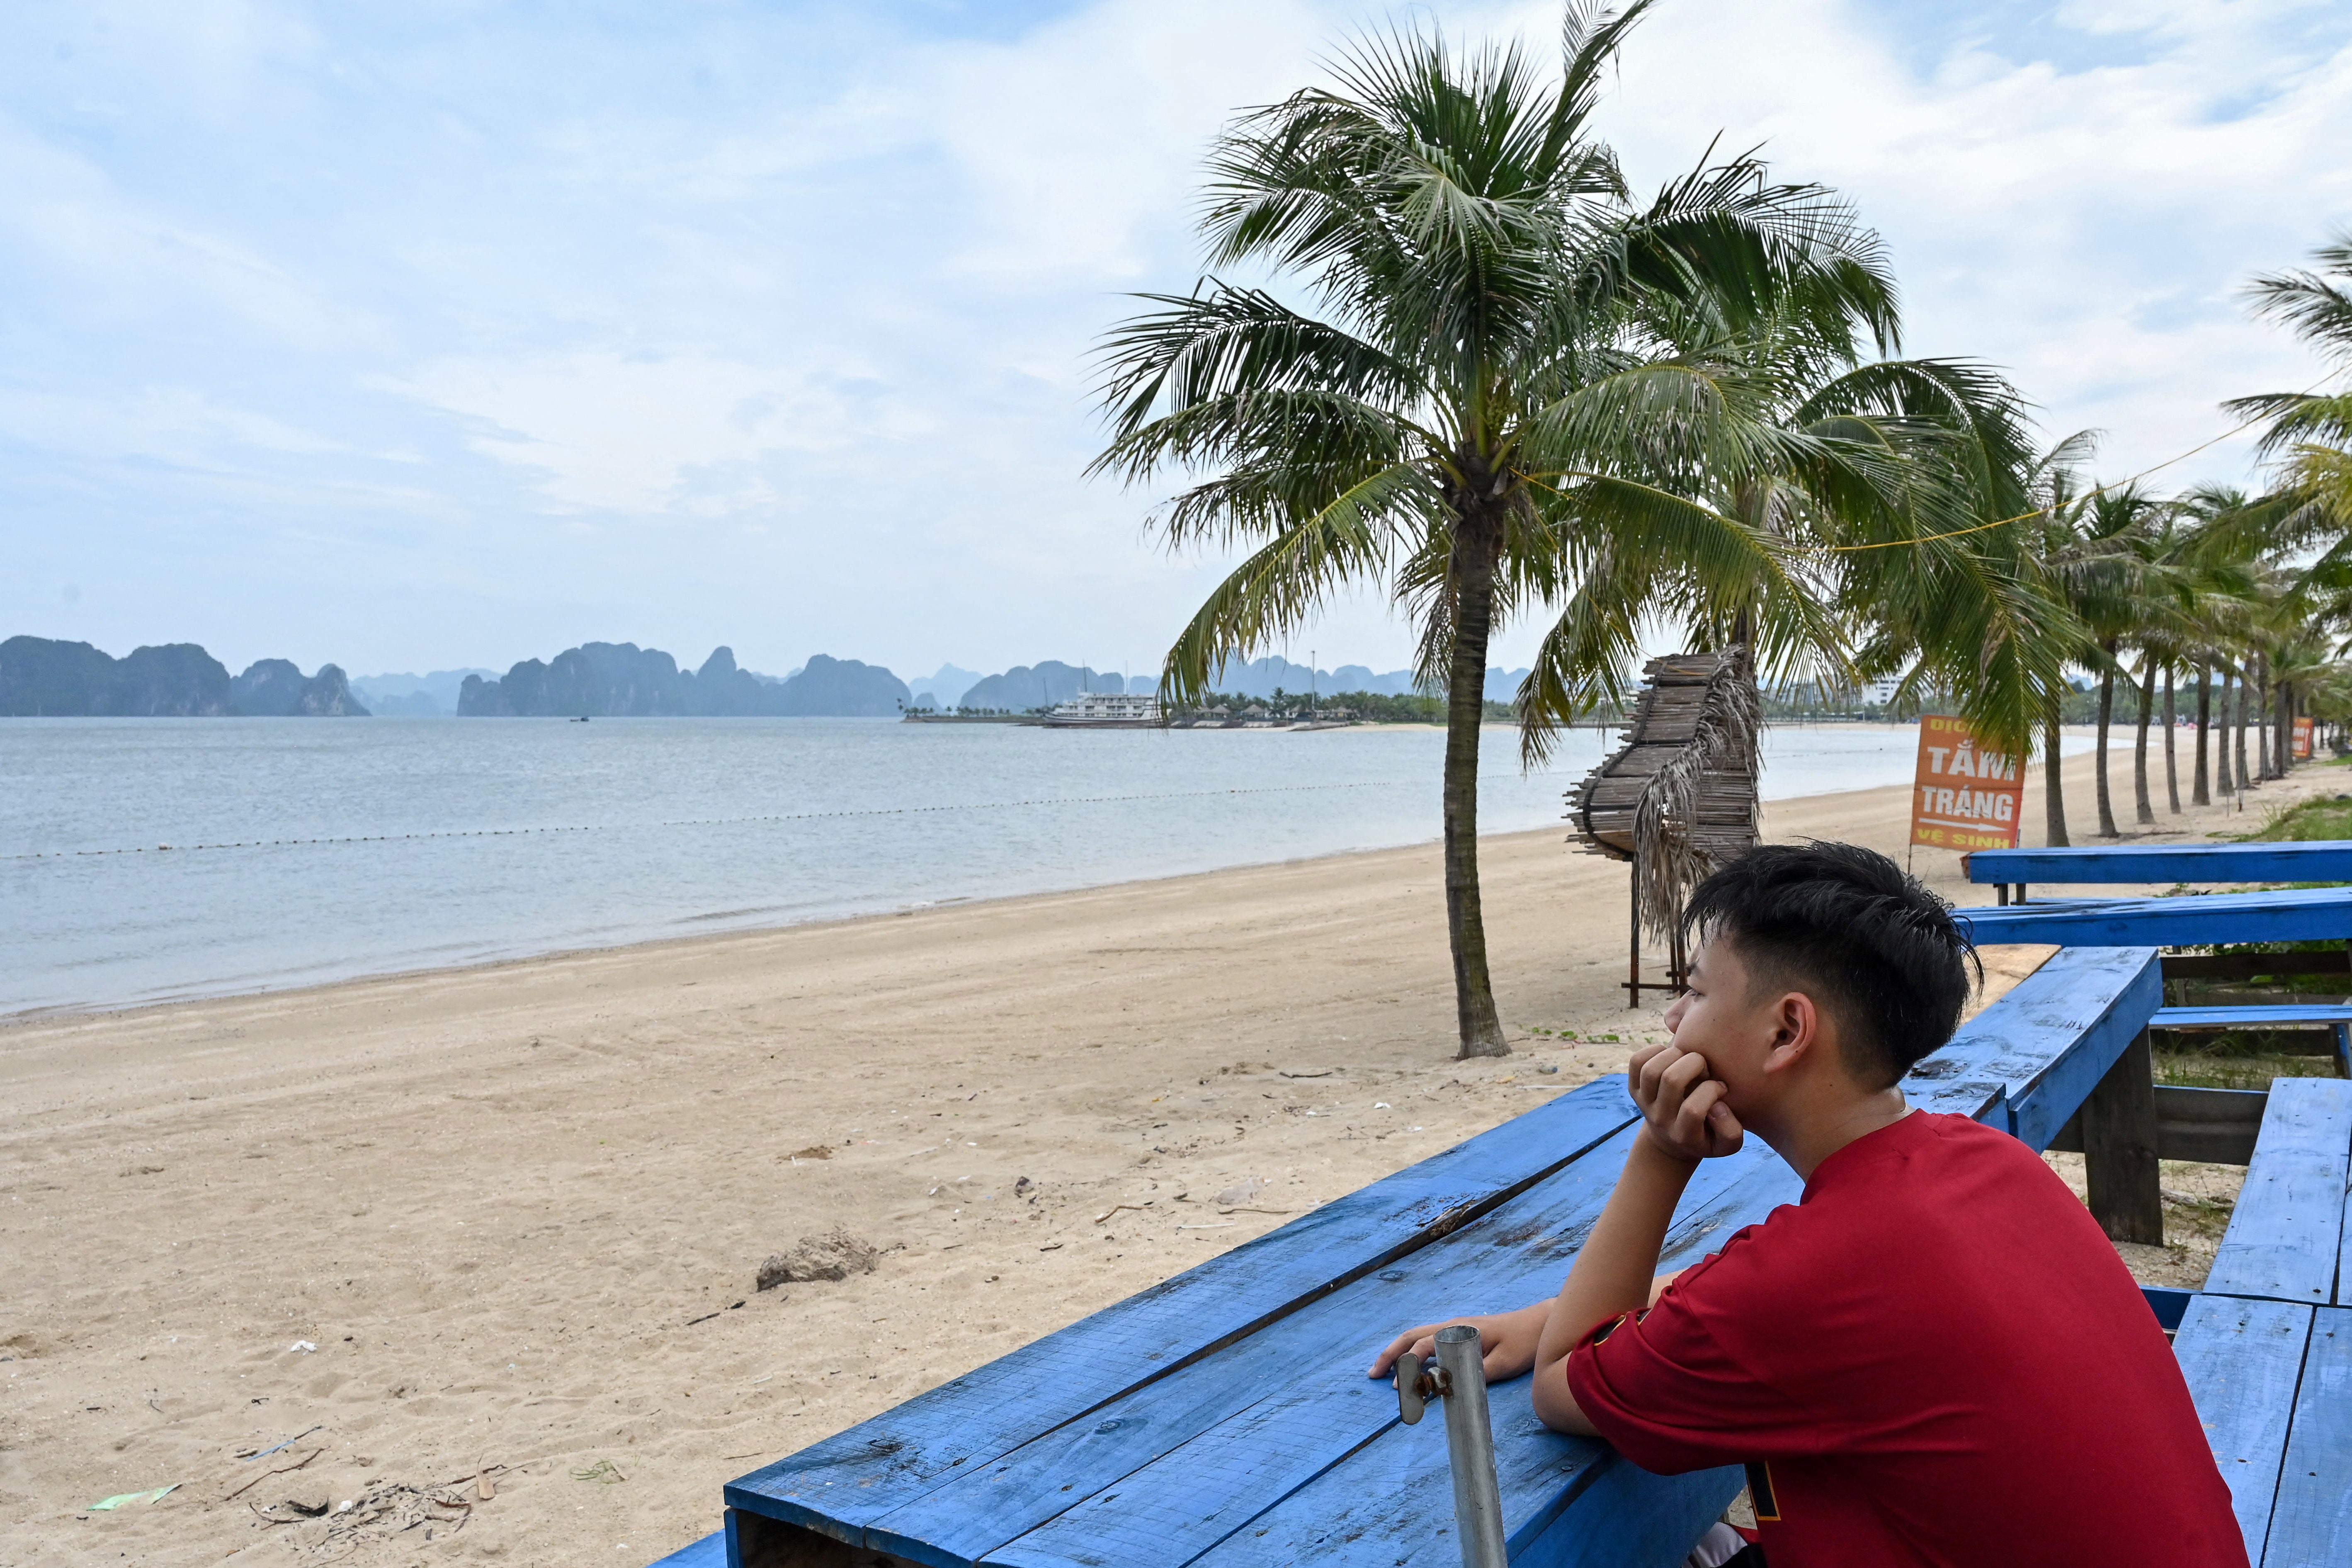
(1880, 474)
(1465, 395)
(2310, 433)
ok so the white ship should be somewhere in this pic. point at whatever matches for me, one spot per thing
(1106, 711)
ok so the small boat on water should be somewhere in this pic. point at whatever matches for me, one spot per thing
(1106, 711)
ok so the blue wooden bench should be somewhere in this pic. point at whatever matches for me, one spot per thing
(2202, 919)
(2267, 1346)
(2324, 860)
(1223, 1417)
(2335, 1017)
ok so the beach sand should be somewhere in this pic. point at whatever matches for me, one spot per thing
(505, 1204)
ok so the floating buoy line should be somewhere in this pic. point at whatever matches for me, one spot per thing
(698, 821)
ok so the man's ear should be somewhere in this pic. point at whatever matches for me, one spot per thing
(1796, 1031)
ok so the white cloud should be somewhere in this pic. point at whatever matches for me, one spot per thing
(653, 434)
(172, 425)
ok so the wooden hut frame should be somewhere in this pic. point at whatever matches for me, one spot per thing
(1678, 798)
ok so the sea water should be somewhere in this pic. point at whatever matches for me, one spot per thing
(302, 851)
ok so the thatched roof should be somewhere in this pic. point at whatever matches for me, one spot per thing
(1678, 797)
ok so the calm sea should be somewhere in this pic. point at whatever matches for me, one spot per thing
(302, 852)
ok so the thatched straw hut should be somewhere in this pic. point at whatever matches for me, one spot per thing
(1678, 798)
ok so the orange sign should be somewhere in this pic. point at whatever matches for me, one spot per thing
(1966, 796)
(2303, 740)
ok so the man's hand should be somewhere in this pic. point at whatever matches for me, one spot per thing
(1682, 1107)
(1508, 1340)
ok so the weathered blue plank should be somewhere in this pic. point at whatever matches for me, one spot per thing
(1628, 1518)
(2264, 1016)
(2283, 1239)
(1266, 1415)
(710, 1552)
(2311, 1527)
(2319, 860)
(2051, 1039)
(2242, 1360)
(843, 1484)
(1564, 1500)
(2294, 914)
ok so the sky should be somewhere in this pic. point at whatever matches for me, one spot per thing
(439, 334)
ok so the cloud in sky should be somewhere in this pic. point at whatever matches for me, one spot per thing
(459, 334)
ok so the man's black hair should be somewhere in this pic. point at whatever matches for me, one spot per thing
(1846, 925)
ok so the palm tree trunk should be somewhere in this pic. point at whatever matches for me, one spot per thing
(2171, 757)
(2263, 719)
(2285, 726)
(2143, 809)
(2199, 795)
(2054, 791)
(1465, 924)
(2238, 707)
(2106, 716)
(2224, 781)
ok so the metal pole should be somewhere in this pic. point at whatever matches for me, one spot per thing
(1470, 1446)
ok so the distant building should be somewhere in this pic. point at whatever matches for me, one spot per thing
(1107, 710)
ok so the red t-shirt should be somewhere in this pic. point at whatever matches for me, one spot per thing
(1936, 1357)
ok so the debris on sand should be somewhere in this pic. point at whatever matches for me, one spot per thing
(833, 1255)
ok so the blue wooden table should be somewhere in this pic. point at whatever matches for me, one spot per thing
(2199, 919)
(1224, 1417)
(2267, 1347)
(2319, 860)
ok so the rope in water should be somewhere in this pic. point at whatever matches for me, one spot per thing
(703, 821)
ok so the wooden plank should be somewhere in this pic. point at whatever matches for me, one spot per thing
(1391, 1500)
(2254, 1016)
(2283, 1239)
(2119, 1159)
(2295, 914)
(2311, 1525)
(2058, 1032)
(2249, 965)
(1266, 1415)
(2242, 1360)
(846, 1481)
(2214, 1125)
(710, 1552)
(2319, 860)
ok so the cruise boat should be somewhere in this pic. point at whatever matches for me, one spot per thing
(1106, 711)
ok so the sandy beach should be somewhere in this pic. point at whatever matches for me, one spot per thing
(506, 1221)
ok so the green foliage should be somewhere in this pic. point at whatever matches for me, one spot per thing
(2327, 818)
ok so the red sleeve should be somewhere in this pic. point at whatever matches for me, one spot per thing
(1661, 1388)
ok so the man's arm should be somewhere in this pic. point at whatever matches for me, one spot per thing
(1612, 1274)
(1683, 1120)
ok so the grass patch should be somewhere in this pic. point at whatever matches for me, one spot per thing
(2329, 816)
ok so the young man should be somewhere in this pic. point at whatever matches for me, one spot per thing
(1934, 1357)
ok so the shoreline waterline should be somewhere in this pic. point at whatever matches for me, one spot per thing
(149, 862)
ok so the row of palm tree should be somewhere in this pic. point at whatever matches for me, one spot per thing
(1476, 370)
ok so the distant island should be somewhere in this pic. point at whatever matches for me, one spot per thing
(603, 679)
(41, 679)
